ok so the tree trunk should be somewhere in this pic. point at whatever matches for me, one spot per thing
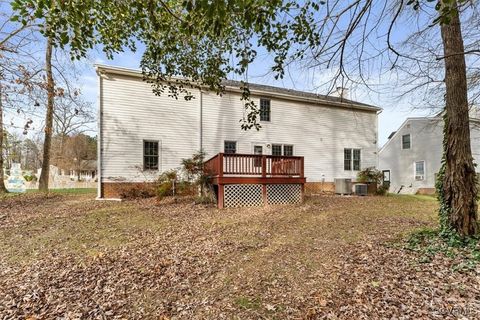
(460, 189)
(44, 176)
(3, 189)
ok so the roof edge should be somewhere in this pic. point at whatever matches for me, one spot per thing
(288, 96)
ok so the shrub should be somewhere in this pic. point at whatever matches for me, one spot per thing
(370, 175)
(166, 183)
(30, 177)
(382, 190)
(373, 176)
(187, 181)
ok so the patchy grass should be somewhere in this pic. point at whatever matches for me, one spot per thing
(67, 254)
(82, 235)
(78, 191)
(68, 191)
(247, 303)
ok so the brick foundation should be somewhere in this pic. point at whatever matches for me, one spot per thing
(114, 190)
(426, 191)
(319, 187)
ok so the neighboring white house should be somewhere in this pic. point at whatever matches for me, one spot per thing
(411, 158)
(142, 135)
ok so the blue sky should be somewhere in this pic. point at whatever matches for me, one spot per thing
(395, 111)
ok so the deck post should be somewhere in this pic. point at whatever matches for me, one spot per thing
(264, 175)
(303, 193)
(220, 165)
(220, 199)
(302, 167)
(264, 166)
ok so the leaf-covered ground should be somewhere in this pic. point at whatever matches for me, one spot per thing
(70, 257)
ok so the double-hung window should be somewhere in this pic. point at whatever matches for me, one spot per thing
(230, 147)
(276, 149)
(150, 155)
(406, 142)
(264, 110)
(282, 149)
(352, 159)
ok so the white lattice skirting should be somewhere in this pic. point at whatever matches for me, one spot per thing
(251, 195)
(284, 193)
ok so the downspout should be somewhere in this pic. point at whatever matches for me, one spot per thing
(99, 137)
(201, 120)
(376, 142)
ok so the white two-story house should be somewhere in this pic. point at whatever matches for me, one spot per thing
(411, 158)
(142, 135)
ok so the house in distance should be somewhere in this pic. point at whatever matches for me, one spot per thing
(303, 135)
(411, 158)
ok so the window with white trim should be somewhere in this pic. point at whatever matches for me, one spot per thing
(282, 149)
(419, 170)
(264, 109)
(276, 149)
(230, 147)
(150, 155)
(406, 141)
(352, 159)
(287, 150)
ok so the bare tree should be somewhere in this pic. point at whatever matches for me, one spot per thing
(15, 76)
(50, 88)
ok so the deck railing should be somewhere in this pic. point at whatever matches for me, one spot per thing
(254, 165)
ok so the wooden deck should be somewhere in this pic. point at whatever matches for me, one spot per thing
(225, 169)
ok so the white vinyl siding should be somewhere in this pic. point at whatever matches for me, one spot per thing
(131, 114)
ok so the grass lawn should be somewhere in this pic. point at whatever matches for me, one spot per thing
(90, 191)
(70, 256)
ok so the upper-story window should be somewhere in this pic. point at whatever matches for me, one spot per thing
(351, 159)
(150, 155)
(230, 147)
(264, 109)
(406, 142)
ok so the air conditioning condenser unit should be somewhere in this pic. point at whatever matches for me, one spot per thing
(343, 186)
